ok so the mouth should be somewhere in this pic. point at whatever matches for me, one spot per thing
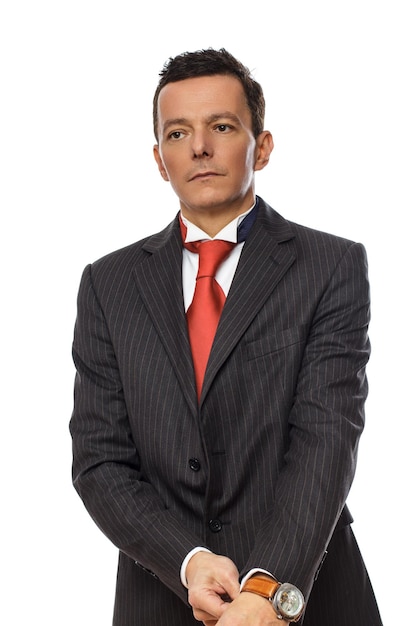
(206, 174)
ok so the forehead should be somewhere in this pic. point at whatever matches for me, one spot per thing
(202, 96)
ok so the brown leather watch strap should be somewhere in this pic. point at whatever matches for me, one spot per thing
(262, 586)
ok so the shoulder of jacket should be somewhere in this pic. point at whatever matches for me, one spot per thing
(133, 253)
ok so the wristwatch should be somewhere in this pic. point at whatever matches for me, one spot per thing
(287, 600)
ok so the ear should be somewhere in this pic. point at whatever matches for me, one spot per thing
(158, 159)
(264, 147)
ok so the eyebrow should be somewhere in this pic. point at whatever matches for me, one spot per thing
(182, 121)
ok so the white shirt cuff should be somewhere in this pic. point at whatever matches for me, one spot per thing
(186, 561)
(255, 571)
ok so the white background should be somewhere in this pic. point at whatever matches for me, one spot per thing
(77, 176)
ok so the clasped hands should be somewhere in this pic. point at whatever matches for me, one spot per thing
(214, 595)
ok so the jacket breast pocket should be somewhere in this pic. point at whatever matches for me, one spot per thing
(276, 342)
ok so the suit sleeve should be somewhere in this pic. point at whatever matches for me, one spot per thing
(325, 424)
(106, 468)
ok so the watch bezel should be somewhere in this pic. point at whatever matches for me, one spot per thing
(277, 602)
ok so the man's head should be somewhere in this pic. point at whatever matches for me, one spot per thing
(209, 63)
(208, 144)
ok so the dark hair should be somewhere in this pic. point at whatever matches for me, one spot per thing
(210, 63)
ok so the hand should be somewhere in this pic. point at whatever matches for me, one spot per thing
(213, 582)
(249, 609)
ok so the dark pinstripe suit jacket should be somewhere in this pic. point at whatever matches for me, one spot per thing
(261, 469)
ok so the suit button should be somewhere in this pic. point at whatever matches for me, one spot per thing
(194, 464)
(215, 525)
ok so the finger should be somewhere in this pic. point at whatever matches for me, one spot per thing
(206, 618)
(206, 603)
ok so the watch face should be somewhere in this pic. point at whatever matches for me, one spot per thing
(289, 601)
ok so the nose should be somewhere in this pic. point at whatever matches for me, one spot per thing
(201, 144)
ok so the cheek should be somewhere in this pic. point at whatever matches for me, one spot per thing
(246, 164)
(245, 158)
(165, 168)
(164, 172)
(172, 164)
(173, 172)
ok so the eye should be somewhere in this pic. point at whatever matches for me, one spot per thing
(223, 128)
(175, 135)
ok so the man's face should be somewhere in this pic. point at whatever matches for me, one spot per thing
(206, 148)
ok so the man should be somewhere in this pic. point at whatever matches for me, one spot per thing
(222, 471)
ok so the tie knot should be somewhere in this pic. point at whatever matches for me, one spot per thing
(211, 255)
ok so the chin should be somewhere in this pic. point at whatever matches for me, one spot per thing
(212, 201)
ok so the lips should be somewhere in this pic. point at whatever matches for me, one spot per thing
(203, 174)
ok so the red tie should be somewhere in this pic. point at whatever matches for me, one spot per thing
(204, 312)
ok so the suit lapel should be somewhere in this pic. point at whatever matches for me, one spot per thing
(159, 281)
(264, 261)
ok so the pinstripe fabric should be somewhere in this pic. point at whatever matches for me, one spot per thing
(261, 469)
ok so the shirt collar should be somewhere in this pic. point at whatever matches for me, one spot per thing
(228, 233)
